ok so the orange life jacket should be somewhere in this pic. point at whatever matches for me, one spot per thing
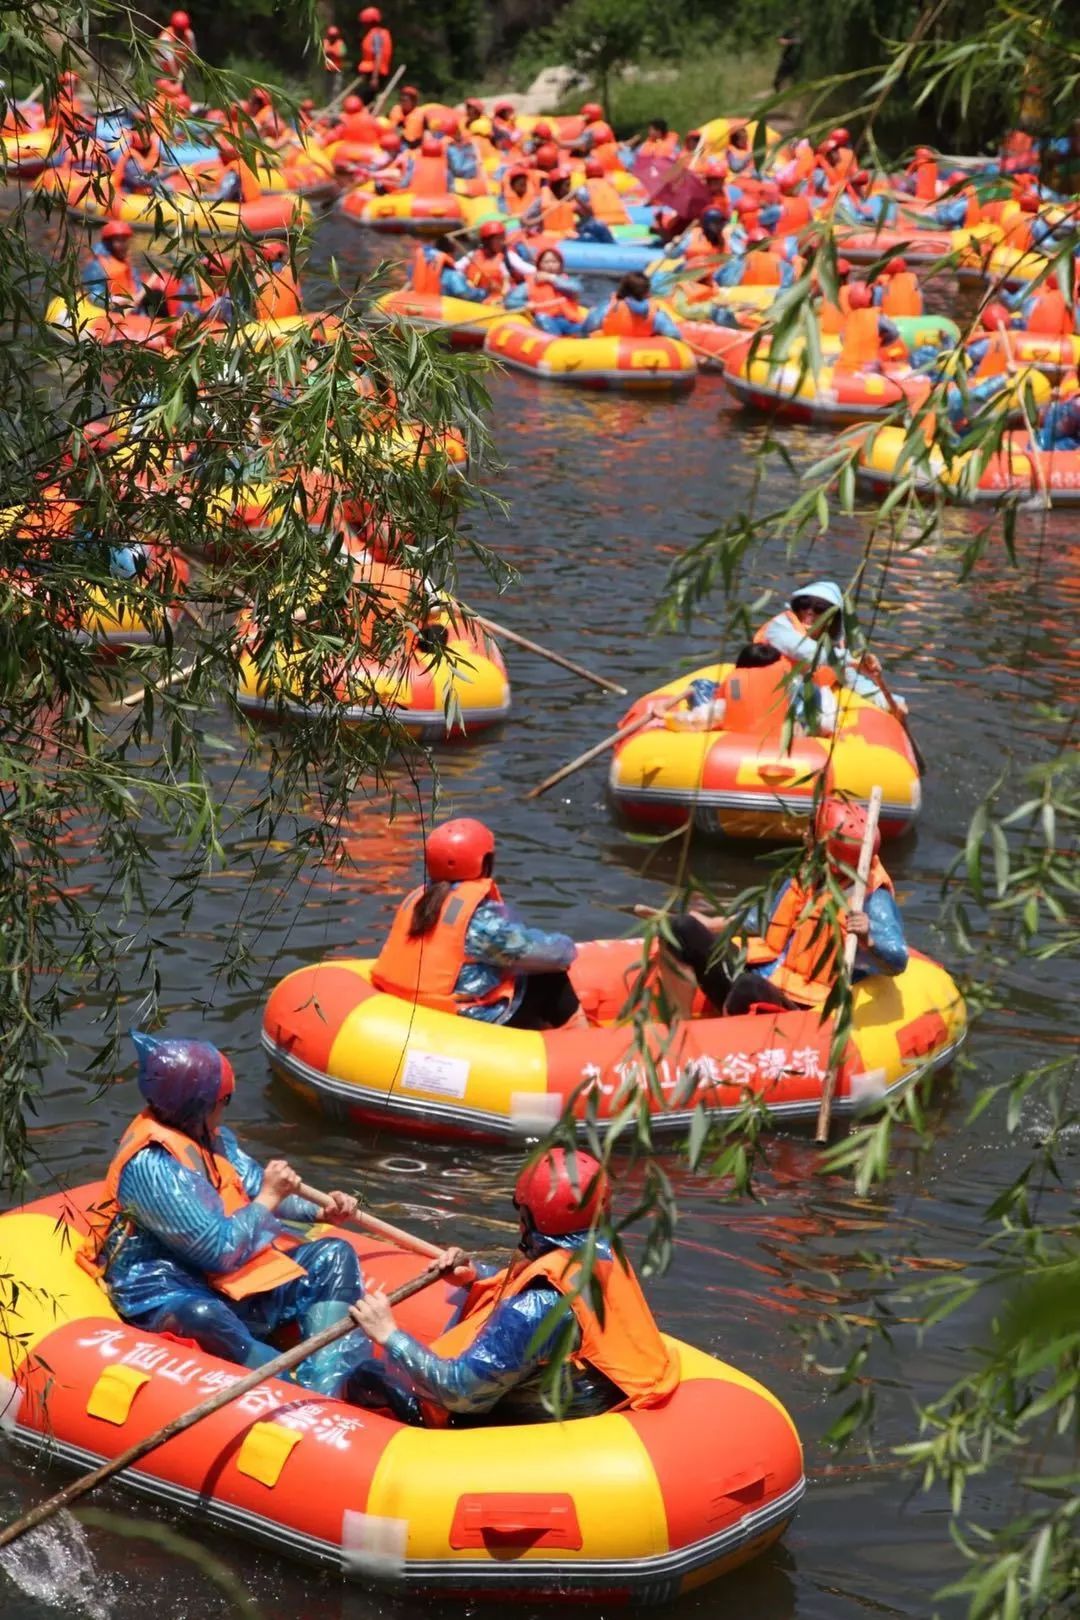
(902, 295)
(861, 342)
(798, 931)
(763, 269)
(278, 295)
(269, 1269)
(544, 299)
(625, 1344)
(795, 213)
(360, 127)
(333, 51)
(426, 969)
(607, 205)
(1050, 314)
(511, 201)
(427, 269)
(250, 189)
(664, 147)
(831, 316)
(147, 162)
(120, 276)
(925, 171)
(602, 147)
(430, 176)
(697, 249)
(489, 271)
(410, 123)
(823, 675)
(621, 321)
(756, 701)
(558, 213)
(371, 42)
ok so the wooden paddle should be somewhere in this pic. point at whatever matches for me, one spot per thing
(900, 714)
(377, 104)
(601, 747)
(500, 632)
(851, 945)
(214, 1403)
(371, 1223)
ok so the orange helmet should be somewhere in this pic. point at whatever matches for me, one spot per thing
(352, 104)
(842, 828)
(460, 849)
(561, 1194)
(116, 230)
(370, 15)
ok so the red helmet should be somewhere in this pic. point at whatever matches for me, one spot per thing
(390, 141)
(370, 14)
(68, 81)
(179, 19)
(843, 827)
(504, 109)
(591, 111)
(116, 230)
(459, 849)
(334, 32)
(859, 295)
(352, 104)
(274, 252)
(843, 267)
(995, 316)
(562, 1194)
(411, 91)
(489, 231)
(561, 173)
(226, 150)
(430, 145)
(594, 169)
(546, 155)
(896, 267)
(542, 131)
(839, 137)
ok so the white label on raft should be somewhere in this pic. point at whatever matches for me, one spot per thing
(373, 1545)
(430, 1071)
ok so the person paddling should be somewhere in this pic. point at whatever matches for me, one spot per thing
(493, 1357)
(795, 959)
(189, 1238)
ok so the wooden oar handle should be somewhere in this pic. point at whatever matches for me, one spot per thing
(378, 1228)
(187, 1420)
(601, 747)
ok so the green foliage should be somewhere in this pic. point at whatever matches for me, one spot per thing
(598, 37)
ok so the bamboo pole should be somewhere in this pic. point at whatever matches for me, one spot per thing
(500, 632)
(851, 945)
(602, 746)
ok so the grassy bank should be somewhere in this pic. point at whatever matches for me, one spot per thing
(686, 91)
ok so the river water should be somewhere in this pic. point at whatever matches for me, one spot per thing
(604, 492)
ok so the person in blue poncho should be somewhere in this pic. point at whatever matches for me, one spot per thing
(190, 1239)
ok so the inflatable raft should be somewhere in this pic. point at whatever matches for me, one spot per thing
(747, 785)
(456, 696)
(466, 323)
(868, 245)
(404, 211)
(91, 197)
(641, 363)
(832, 397)
(1017, 469)
(604, 1508)
(371, 1059)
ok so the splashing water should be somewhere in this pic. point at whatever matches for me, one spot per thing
(54, 1564)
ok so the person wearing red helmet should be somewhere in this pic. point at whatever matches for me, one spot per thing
(492, 265)
(597, 139)
(793, 962)
(897, 290)
(110, 279)
(175, 46)
(189, 1238)
(406, 116)
(455, 945)
(138, 165)
(333, 59)
(376, 52)
(505, 133)
(494, 1355)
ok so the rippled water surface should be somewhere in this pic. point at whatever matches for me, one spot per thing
(604, 492)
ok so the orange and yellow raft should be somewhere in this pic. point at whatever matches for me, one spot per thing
(601, 1507)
